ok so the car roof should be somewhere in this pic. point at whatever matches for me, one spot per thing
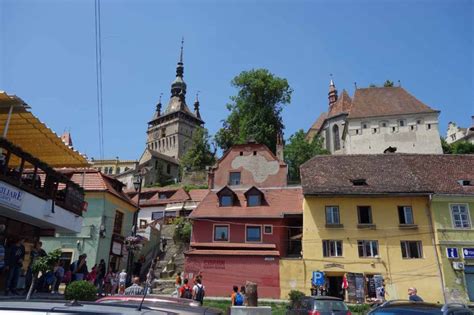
(331, 298)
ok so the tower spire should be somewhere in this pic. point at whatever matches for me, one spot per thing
(332, 95)
(181, 54)
(178, 87)
(196, 106)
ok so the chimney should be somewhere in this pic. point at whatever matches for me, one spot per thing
(279, 147)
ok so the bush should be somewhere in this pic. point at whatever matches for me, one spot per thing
(359, 308)
(81, 291)
(295, 297)
(183, 229)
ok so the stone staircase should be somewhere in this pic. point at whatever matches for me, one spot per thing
(171, 261)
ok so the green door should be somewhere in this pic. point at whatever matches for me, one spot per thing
(469, 272)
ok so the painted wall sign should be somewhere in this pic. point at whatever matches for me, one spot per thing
(334, 266)
(214, 264)
(11, 196)
(468, 252)
(452, 252)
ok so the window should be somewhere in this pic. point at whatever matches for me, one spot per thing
(332, 248)
(157, 215)
(163, 132)
(226, 201)
(401, 123)
(254, 152)
(162, 196)
(254, 200)
(460, 216)
(234, 178)
(412, 127)
(106, 170)
(364, 125)
(118, 222)
(253, 234)
(418, 121)
(411, 249)
(357, 131)
(374, 130)
(336, 139)
(99, 169)
(365, 214)
(143, 224)
(428, 126)
(405, 215)
(268, 229)
(368, 248)
(394, 129)
(221, 233)
(332, 215)
(384, 124)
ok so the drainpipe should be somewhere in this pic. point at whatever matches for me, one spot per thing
(435, 246)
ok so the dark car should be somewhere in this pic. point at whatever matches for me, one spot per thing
(420, 308)
(321, 305)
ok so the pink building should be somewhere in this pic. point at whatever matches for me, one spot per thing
(248, 220)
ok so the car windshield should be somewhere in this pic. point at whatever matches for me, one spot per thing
(327, 305)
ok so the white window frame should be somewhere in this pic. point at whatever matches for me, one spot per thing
(214, 231)
(261, 233)
(271, 229)
(371, 254)
(332, 214)
(328, 251)
(451, 205)
(420, 249)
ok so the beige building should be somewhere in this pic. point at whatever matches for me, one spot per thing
(456, 133)
(377, 119)
(113, 166)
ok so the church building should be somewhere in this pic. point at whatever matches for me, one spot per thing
(377, 120)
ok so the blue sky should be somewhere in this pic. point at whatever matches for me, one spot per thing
(47, 57)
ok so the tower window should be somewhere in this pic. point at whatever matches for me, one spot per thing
(337, 141)
(401, 123)
(234, 178)
(428, 126)
(254, 152)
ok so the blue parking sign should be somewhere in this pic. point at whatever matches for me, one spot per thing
(468, 252)
(452, 252)
(318, 278)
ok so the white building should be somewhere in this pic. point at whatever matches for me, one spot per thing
(456, 133)
(377, 119)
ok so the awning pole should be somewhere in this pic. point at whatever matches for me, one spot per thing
(5, 130)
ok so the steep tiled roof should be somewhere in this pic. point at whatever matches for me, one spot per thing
(151, 196)
(198, 194)
(385, 101)
(313, 131)
(388, 173)
(342, 105)
(279, 201)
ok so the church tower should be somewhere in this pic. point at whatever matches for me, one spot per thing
(170, 131)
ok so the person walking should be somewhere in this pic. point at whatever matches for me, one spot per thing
(99, 282)
(199, 291)
(413, 295)
(135, 288)
(114, 281)
(16, 255)
(122, 281)
(186, 292)
(236, 298)
(79, 268)
(36, 252)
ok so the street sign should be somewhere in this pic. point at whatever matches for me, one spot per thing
(318, 278)
(468, 252)
(452, 252)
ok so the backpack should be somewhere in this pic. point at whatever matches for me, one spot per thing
(239, 300)
(187, 294)
(200, 294)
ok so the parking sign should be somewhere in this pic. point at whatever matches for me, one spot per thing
(318, 278)
(452, 252)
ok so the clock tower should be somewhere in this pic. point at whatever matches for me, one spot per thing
(170, 131)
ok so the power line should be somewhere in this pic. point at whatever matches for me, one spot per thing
(98, 67)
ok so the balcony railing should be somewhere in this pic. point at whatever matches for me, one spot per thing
(21, 169)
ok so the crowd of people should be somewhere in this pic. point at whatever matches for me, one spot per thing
(186, 291)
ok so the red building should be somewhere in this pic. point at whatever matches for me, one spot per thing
(248, 220)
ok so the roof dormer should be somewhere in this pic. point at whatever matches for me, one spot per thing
(227, 197)
(255, 197)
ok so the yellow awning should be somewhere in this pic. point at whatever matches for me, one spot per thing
(33, 136)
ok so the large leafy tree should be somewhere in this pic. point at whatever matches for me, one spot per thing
(255, 112)
(299, 150)
(199, 154)
(459, 147)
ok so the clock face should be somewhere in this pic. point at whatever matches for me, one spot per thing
(156, 135)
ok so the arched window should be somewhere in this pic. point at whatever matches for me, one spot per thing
(335, 137)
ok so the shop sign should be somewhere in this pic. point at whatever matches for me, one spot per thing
(10, 196)
(468, 252)
(116, 248)
(334, 266)
(452, 252)
(214, 264)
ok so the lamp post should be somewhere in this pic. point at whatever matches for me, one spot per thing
(137, 184)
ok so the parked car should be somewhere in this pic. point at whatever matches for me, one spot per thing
(320, 305)
(420, 308)
(159, 302)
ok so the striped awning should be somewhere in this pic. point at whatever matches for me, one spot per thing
(33, 136)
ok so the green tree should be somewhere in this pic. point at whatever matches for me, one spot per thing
(299, 150)
(199, 154)
(388, 83)
(462, 147)
(255, 112)
(43, 265)
(447, 149)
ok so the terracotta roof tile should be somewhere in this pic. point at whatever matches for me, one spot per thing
(342, 105)
(313, 131)
(279, 201)
(388, 173)
(151, 196)
(385, 101)
(198, 194)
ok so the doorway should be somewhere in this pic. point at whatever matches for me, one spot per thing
(469, 273)
(335, 286)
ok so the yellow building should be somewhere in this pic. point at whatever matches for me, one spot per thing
(367, 219)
